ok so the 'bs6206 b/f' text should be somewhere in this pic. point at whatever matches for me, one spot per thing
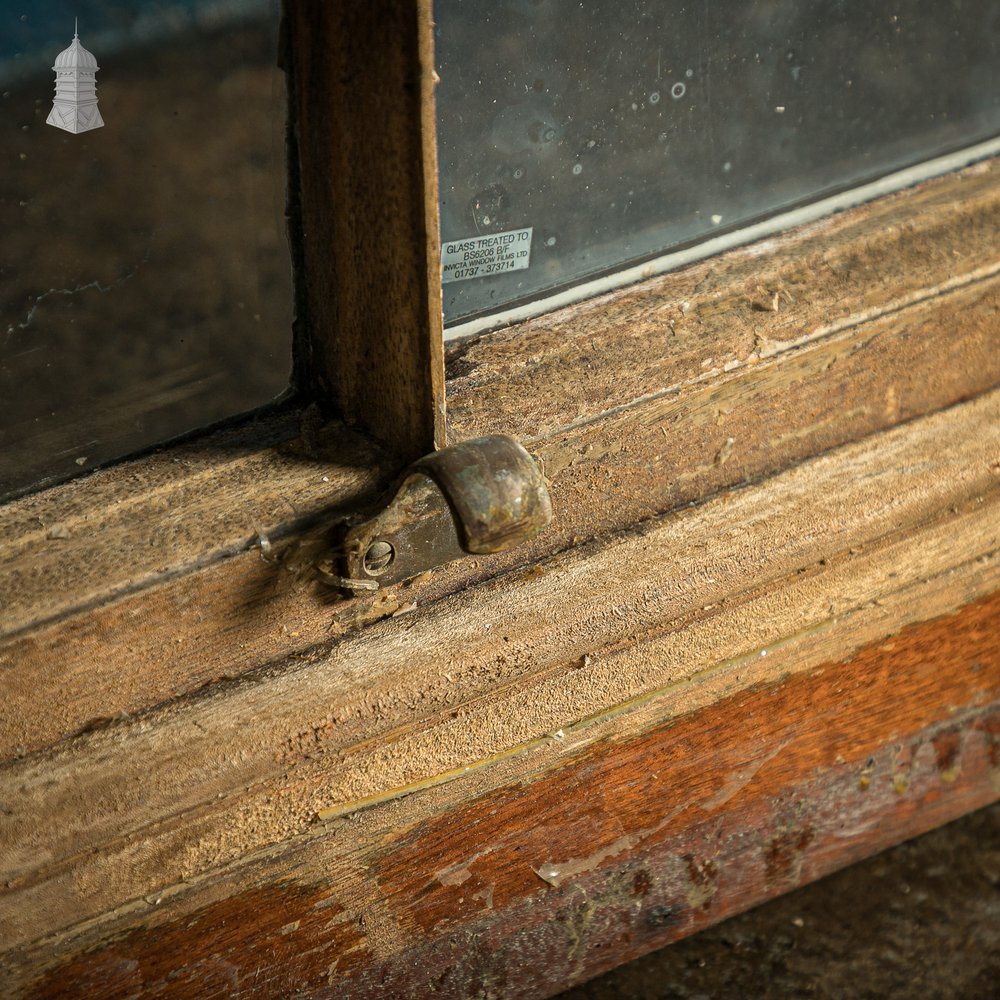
(477, 256)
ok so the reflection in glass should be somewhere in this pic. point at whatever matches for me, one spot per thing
(619, 129)
(145, 284)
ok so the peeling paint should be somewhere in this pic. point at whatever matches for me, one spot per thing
(737, 781)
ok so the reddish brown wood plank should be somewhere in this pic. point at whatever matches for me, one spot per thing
(362, 80)
(653, 835)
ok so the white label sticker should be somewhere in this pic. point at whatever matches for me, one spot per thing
(480, 256)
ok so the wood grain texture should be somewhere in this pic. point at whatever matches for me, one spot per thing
(219, 780)
(904, 323)
(128, 527)
(362, 79)
(767, 582)
(690, 326)
(644, 834)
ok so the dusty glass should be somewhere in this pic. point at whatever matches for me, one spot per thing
(145, 284)
(577, 137)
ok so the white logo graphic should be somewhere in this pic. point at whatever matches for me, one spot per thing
(75, 106)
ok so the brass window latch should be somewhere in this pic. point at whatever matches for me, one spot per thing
(482, 496)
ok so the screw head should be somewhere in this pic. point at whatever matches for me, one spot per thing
(378, 558)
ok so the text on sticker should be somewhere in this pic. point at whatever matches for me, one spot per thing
(480, 256)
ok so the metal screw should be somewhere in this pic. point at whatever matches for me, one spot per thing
(379, 557)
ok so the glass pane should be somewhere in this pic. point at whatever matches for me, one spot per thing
(580, 137)
(145, 284)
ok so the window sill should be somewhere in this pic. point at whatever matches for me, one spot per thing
(842, 491)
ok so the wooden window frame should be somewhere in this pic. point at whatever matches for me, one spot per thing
(757, 643)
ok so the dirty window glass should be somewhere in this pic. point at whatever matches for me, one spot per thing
(144, 277)
(577, 137)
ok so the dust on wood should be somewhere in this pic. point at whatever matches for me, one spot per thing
(129, 527)
(861, 354)
(493, 671)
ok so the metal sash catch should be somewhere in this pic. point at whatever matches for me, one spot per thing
(482, 496)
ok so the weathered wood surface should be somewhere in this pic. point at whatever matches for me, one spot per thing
(653, 624)
(642, 833)
(150, 579)
(902, 321)
(219, 779)
(123, 529)
(733, 311)
(362, 82)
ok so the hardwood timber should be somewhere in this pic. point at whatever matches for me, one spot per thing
(758, 642)
(122, 529)
(583, 852)
(362, 82)
(903, 322)
(766, 583)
